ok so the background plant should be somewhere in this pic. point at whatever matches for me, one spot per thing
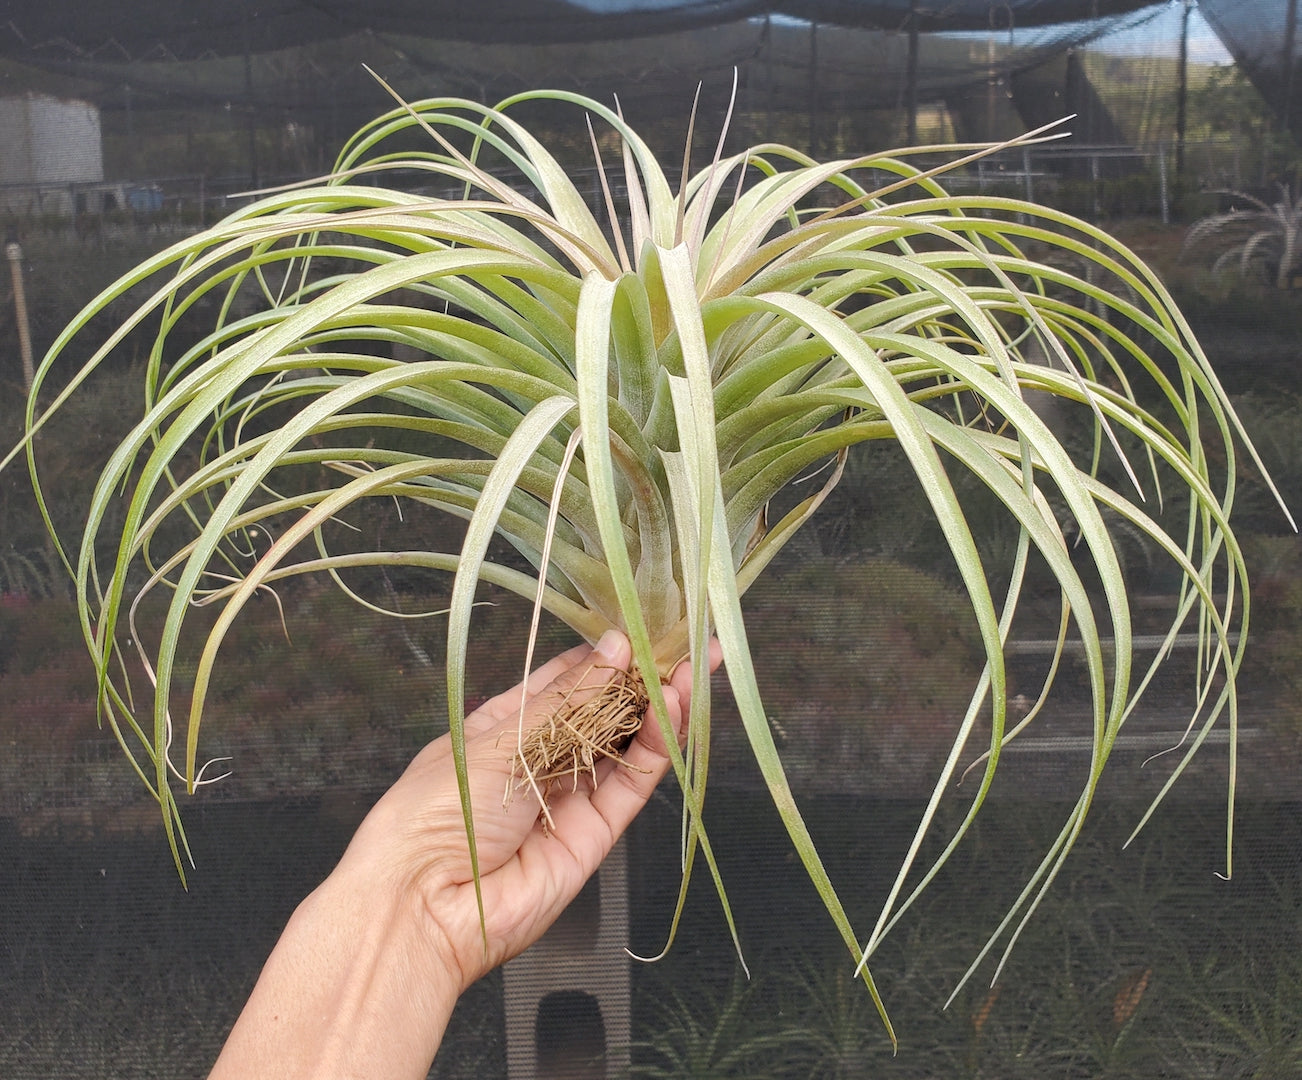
(1259, 239)
(717, 1033)
(612, 410)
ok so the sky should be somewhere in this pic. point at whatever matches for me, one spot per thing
(1161, 37)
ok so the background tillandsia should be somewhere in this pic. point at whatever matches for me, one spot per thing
(614, 408)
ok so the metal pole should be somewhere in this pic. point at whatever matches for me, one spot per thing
(1182, 92)
(1094, 182)
(767, 38)
(14, 253)
(911, 76)
(1290, 37)
(248, 97)
(990, 81)
(813, 89)
(1162, 191)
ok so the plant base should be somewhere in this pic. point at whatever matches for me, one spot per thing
(568, 746)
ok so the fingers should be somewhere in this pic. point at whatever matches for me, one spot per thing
(579, 674)
(588, 820)
(614, 652)
(647, 760)
(537, 869)
(677, 694)
(507, 703)
(492, 729)
(623, 788)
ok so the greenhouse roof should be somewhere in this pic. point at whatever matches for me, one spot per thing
(303, 60)
(162, 29)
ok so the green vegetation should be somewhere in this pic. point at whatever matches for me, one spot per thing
(1261, 240)
(1141, 963)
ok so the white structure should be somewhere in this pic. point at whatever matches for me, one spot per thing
(51, 156)
(567, 997)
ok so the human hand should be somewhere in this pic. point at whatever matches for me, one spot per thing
(528, 872)
(364, 977)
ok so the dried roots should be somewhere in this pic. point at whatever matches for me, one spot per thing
(569, 745)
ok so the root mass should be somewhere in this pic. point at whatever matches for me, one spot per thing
(569, 745)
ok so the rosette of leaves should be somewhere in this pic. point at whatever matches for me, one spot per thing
(625, 396)
(1262, 240)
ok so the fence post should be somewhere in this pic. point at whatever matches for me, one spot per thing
(1162, 193)
(14, 253)
(1094, 185)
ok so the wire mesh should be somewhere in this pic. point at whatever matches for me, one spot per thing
(1142, 963)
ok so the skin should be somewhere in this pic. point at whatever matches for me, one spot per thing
(363, 979)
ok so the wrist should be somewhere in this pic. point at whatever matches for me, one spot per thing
(383, 877)
(357, 986)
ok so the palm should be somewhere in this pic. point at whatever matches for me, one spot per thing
(528, 873)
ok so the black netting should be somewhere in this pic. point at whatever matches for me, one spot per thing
(794, 62)
(199, 127)
(155, 29)
(1141, 963)
(1262, 37)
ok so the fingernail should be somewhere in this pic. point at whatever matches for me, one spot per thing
(610, 644)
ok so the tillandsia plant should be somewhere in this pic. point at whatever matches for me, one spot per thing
(1264, 240)
(626, 397)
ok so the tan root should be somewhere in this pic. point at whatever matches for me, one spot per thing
(569, 745)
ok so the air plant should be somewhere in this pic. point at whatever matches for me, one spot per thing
(717, 1033)
(1263, 241)
(626, 397)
